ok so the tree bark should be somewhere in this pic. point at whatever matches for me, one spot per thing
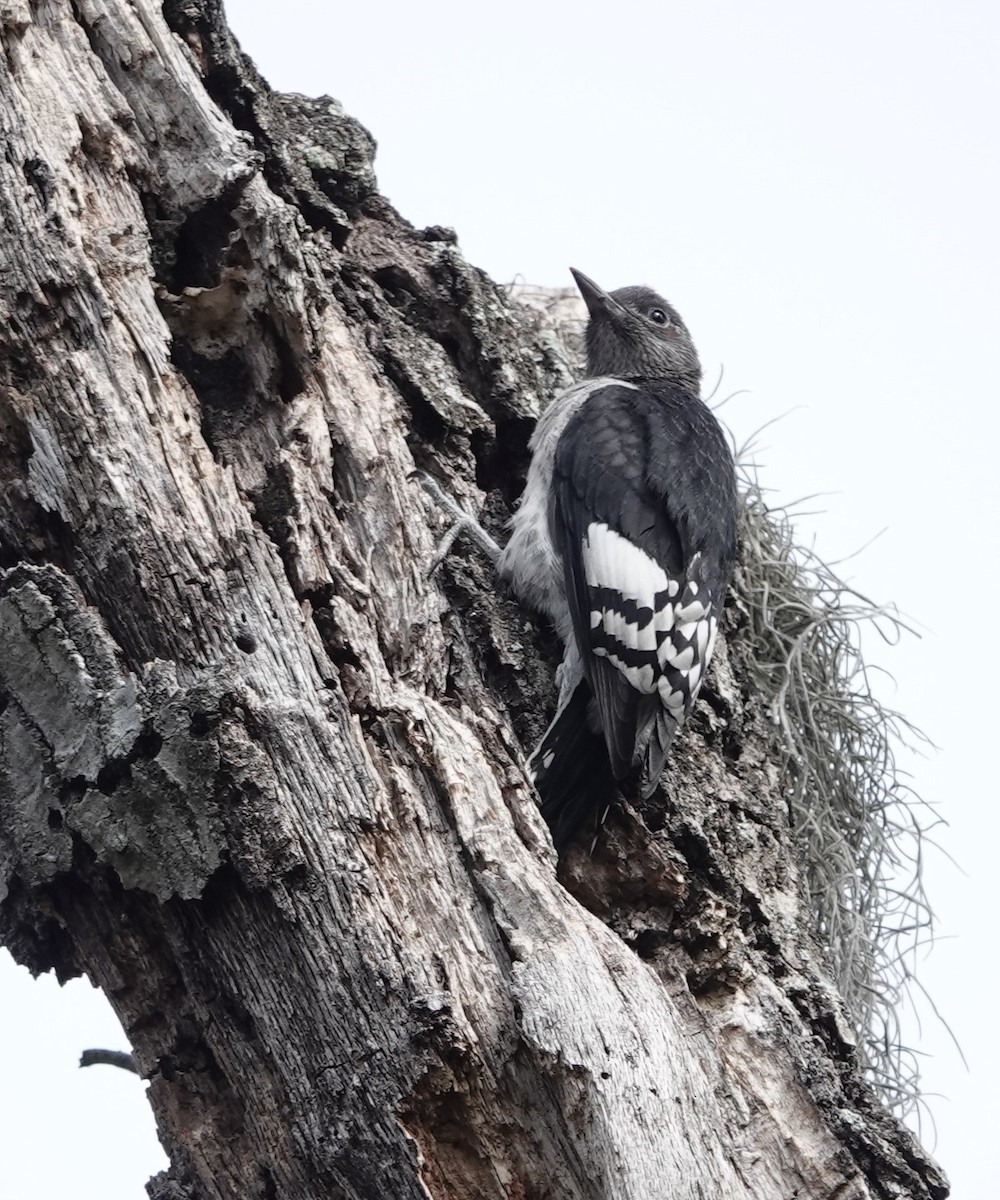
(262, 776)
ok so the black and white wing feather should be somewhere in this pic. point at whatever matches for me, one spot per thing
(642, 513)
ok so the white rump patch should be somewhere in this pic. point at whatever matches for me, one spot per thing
(612, 561)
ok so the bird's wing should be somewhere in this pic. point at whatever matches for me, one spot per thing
(643, 612)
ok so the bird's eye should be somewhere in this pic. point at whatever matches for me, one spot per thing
(658, 316)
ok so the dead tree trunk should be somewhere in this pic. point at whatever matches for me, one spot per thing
(261, 776)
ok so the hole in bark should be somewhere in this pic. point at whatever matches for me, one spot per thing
(225, 388)
(246, 642)
(275, 507)
(219, 383)
(38, 173)
(344, 656)
(695, 850)
(428, 426)
(654, 814)
(290, 381)
(189, 1052)
(161, 239)
(648, 942)
(731, 746)
(201, 245)
(468, 368)
(716, 703)
(112, 774)
(297, 877)
(202, 723)
(36, 534)
(502, 462)
(241, 389)
(147, 745)
(72, 789)
(397, 284)
(55, 818)
(704, 980)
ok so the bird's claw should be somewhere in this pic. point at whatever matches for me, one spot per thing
(463, 522)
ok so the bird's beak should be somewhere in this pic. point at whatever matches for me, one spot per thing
(597, 300)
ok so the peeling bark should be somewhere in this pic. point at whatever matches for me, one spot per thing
(261, 777)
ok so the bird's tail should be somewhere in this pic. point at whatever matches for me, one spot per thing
(571, 769)
(652, 749)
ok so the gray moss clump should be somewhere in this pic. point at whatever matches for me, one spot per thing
(862, 829)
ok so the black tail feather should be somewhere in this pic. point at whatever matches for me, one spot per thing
(571, 769)
(654, 753)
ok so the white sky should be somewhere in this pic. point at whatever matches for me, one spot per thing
(819, 196)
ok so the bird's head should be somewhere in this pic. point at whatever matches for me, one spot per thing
(633, 333)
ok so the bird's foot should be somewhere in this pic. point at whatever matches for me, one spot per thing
(463, 522)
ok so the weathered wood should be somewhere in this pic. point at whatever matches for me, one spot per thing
(261, 776)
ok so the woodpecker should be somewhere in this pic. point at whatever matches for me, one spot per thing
(625, 537)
